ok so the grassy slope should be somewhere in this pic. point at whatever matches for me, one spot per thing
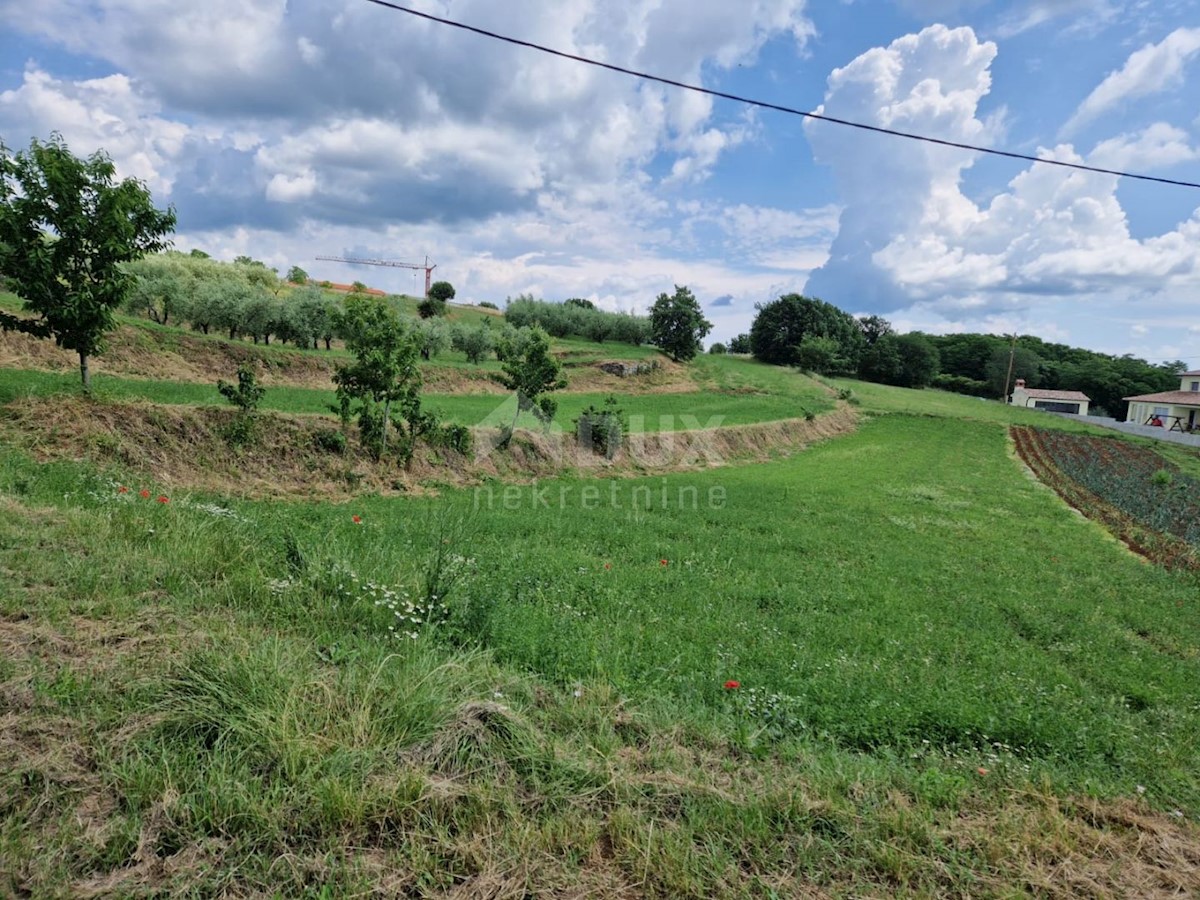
(657, 412)
(205, 702)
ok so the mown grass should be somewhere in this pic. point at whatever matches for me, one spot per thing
(648, 412)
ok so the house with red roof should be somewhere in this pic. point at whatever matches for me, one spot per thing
(1175, 410)
(1073, 402)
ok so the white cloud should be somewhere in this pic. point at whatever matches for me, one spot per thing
(1159, 146)
(1153, 68)
(98, 113)
(1052, 242)
(329, 111)
(1086, 15)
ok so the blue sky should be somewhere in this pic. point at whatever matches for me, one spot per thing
(287, 130)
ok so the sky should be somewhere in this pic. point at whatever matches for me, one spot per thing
(289, 129)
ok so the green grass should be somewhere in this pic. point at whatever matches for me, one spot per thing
(901, 607)
(649, 412)
(945, 674)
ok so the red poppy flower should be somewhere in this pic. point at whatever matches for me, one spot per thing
(357, 520)
(122, 490)
(608, 565)
(163, 499)
(144, 493)
(662, 562)
(981, 770)
(732, 685)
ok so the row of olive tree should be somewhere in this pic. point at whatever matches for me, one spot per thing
(578, 318)
(242, 298)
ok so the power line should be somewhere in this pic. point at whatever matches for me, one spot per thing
(762, 104)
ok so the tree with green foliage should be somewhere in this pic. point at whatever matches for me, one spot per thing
(819, 354)
(66, 229)
(434, 336)
(579, 302)
(1025, 364)
(718, 349)
(874, 328)
(533, 373)
(384, 371)
(297, 275)
(160, 286)
(906, 360)
(677, 324)
(781, 327)
(442, 291)
(431, 308)
(476, 341)
(740, 344)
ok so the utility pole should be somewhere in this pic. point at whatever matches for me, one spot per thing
(1012, 354)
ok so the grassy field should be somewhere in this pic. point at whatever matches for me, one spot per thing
(892, 664)
(921, 636)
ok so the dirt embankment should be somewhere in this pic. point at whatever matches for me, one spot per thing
(186, 447)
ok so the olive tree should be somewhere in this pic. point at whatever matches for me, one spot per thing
(67, 227)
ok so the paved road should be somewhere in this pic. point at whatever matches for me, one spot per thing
(1150, 431)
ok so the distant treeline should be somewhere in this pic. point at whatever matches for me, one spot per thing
(578, 318)
(818, 337)
(978, 364)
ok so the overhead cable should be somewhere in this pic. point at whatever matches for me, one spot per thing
(762, 104)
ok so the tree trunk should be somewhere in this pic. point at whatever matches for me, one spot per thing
(204, 328)
(84, 372)
(232, 333)
(387, 415)
(327, 341)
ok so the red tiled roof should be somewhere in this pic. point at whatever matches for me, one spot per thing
(1189, 374)
(1038, 394)
(1181, 398)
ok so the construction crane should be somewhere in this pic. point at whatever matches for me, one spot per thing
(385, 262)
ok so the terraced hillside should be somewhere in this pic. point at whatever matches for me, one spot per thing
(864, 653)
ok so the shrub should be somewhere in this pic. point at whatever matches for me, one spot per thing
(453, 437)
(431, 307)
(601, 429)
(330, 440)
(487, 304)
(718, 349)
(245, 395)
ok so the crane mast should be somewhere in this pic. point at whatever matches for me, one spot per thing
(428, 269)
